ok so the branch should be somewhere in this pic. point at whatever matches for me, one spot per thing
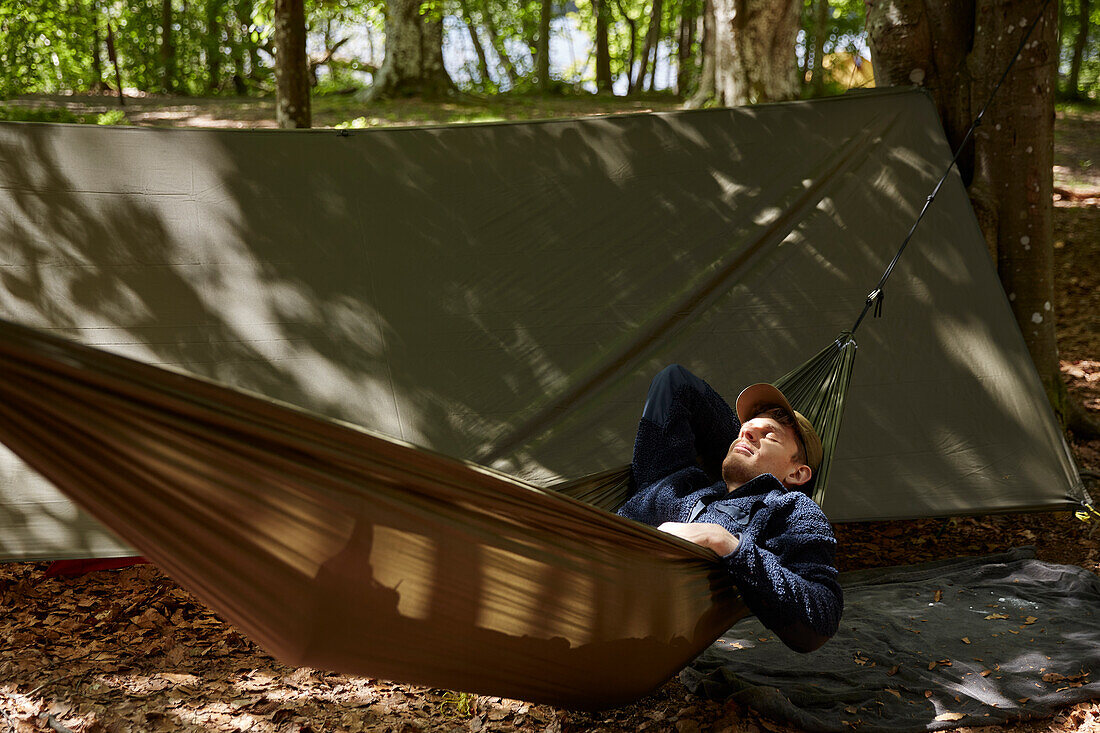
(313, 64)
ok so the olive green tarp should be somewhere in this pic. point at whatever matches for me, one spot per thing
(508, 290)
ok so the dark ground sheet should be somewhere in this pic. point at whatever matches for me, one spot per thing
(924, 647)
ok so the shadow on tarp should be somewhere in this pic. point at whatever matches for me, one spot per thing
(970, 641)
(509, 290)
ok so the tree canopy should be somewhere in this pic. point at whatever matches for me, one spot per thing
(227, 46)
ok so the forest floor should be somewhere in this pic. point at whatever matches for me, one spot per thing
(129, 650)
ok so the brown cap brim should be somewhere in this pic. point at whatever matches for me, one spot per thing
(762, 394)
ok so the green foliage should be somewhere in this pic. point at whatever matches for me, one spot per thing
(1088, 84)
(37, 114)
(112, 117)
(843, 34)
(19, 113)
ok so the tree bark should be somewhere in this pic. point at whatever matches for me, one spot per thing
(113, 56)
(706, 89)
(959, 50)
(213, 45)
(1073, 82)
(479, 50)
(167, 50)
(652, 35)
(542, 51)
(97, 58)
(604, 82)
(754, 50)
(414, 54)
(633, 25)
(684, 42)
(498, 47)
(821, 30)
(292, 103)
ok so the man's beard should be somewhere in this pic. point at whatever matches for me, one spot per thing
(735, 472)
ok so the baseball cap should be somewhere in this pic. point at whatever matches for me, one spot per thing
(762, 394)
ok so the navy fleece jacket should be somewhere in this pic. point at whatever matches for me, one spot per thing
(784, 562)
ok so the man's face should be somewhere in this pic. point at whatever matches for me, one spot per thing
(764, 446)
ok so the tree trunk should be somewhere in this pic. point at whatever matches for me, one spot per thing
(243, 11)
(167, 50)
(498, 47)
(633, 25)
(542, 52)
(482, 59)
(754, 50)
(652, 36)
(292, 103)
(959, 50)
(604, 82)
(113, 56)
(414, 54)
(1073, 82)
(684, 42)
(821, 30)
(213, 45)
(706, 89)
(97, 58)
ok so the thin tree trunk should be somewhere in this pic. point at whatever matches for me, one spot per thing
(495, 42)
(754, 50)
(542, 50)
(649, 78)
(113, 56)
(653, 31)
(1073, 85)
(706, 89)
(684, 42)
(292, 103)
(213, 45)
(633, 25)
(97, 59)
(244, 10)
(167, 50)
(482, 59)
(604, 82)
(821, 30)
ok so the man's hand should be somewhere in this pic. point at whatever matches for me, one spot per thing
(707, 534)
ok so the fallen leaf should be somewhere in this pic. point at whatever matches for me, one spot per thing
(928, 693)
(986, 672)
(938, 597)
(894, 692)
(931, 666)
(994, 616)
(950, 716)
(893, 671)
(966, 640)
(1030, 620)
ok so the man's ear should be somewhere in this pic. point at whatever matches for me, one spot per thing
(798, 476)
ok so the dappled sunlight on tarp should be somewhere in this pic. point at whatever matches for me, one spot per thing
(505, 292)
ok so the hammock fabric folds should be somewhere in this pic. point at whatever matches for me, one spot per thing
(339, 549)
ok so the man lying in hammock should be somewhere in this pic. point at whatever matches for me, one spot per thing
(774, 540)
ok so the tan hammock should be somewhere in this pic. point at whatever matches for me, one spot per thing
(337, 548)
